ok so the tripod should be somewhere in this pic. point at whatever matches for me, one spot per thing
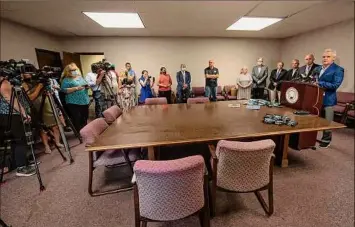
(18, 93)
(53, 101)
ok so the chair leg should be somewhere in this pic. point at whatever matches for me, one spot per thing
(213, 192)
(126, 157)
(91, 170)
(136, 206)
(268, 210)
(144, 224)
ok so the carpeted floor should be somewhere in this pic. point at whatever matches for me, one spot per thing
(316, 190)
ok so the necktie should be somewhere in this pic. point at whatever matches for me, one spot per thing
(307, 69)
(277, 74)
(293, 72)
(183, 76)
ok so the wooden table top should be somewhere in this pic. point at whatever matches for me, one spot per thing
(156, 125)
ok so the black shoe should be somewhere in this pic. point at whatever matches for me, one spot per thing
(324, 145)
(25, 171)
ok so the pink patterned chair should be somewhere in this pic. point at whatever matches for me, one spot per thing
(108, 158)
(243, 167)
(156, 101)
(170, 190)
(227, 90)
(220, 96)
(198, 100)
(198, 91)
(112, 113)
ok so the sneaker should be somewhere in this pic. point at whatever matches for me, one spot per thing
(47, 150)
(59, 145)
(324, 145)
(25, 171)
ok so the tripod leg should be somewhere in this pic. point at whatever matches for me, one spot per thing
(67, 118)
(3, 224)
(3, 163)
(56, 146)
(60, 126)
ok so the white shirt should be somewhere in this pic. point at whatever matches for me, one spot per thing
(91, 79)
(308, 68)
(293, 71)
(323, 70)
(259, 69)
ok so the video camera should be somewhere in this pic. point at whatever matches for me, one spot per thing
(101, 65)
(12, 70)
(45, 73)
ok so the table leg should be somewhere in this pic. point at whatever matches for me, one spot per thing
(151, 154)
(284, 160)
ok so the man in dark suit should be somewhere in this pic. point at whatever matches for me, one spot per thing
(276, 77)
(294, 73)
(259, 74)
(330, 78)
(306, 71)
(183, 79)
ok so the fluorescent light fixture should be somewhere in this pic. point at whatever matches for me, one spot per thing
(116, 20)
(253, 23)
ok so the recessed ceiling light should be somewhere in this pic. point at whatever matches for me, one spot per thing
(253, 23)
(116, 20)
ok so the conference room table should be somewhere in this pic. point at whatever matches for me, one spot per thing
(154, 126)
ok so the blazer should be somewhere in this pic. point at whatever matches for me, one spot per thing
(303, 69)
(262, 76)
(330, 80)
(295, 77)
(278, 80)
(180, 80)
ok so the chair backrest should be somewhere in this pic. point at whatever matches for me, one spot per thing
(345, 97)
(112, 113)
(156, 101)
(219, 90)
(198, 91)
(197, 100)
(91, 131)
(170, 190)
(228, 89)
(244, 166)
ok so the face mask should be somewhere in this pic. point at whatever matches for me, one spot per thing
(74, 73)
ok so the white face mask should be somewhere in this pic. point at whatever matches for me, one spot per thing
(74, 73)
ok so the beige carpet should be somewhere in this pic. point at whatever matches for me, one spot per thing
(316, 190)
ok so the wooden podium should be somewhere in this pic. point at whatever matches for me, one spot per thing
(302, 96)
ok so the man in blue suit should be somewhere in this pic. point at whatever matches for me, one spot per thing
(183, 79)
(330, 78)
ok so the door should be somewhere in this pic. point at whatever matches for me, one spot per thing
(71, 57)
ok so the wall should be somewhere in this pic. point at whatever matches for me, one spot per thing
(87, 60)
(152, 53)
(19, 42)
(339, 37)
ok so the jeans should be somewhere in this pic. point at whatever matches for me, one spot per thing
(80, 115)
(329, 115)
(19, 147)
(211, 92)
(98, 103)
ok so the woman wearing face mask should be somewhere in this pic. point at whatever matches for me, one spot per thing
(146, 83)
(36, 95)
(164, 84)
(77, 98)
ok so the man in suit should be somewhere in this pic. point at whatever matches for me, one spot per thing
(306, 71)
(330, 78)
(294, 73)
(276, 77)
(259, 75)
(183, 79)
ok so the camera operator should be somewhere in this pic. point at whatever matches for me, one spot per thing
(35, 94)
(77, 98)
(147, 82)
(112, 80)
(19, 147)
(94, 79)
